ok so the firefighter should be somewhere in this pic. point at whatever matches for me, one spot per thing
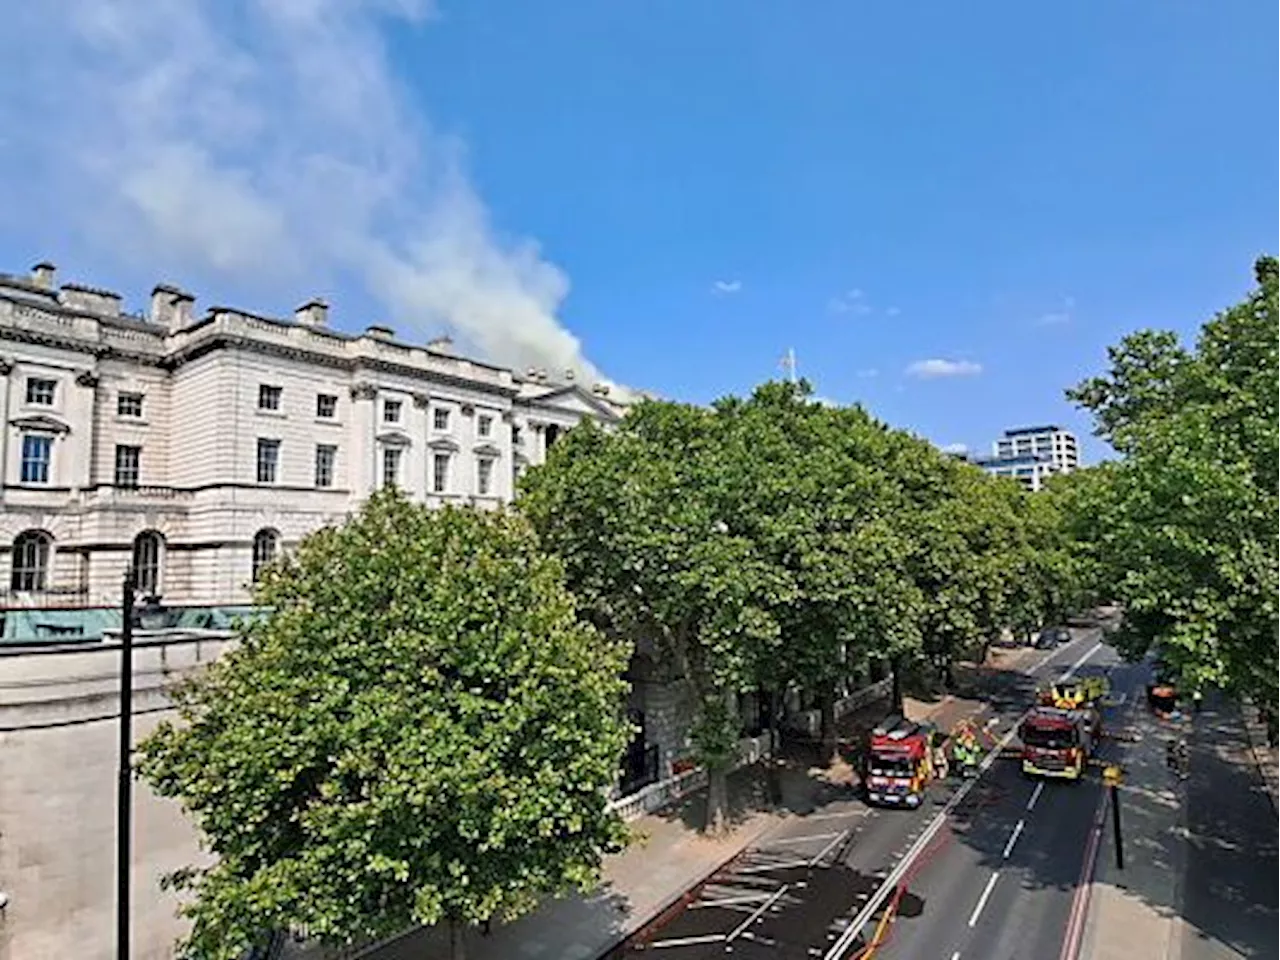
(965, 748)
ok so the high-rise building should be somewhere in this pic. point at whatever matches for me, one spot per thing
(1049, 441)
(1031, 455)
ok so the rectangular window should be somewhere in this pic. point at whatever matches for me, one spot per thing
(269, 397)
(484, 424)
(391, 411)
(326, 457)
(268, 460)
(484, 476)
(440, 419)
(326, 406)
(129, 405)
(128, 465)
(516, 439)
(391, 466)
(40, 391)
(37, 452)
(439, 472)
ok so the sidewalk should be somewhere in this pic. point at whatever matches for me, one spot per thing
(1135, 913)
(1199, 881)
(1267, 757)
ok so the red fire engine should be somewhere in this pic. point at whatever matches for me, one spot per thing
(1057, 742)
(899, 762)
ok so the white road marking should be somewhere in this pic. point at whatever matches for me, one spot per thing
(1035, 795)
(982, 901)
(803, 839)
(890, 882)
(1080, 663)
(1008, 847)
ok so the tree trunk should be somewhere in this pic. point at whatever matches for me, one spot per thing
(775, 748)
(457, 939)
(895, 670)
(717, 801)
(827, 707)
(948, 675)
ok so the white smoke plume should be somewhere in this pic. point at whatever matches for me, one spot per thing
(268, 144)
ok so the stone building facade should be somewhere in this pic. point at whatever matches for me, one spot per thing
(198, 446)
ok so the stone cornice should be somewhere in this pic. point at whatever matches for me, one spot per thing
(355, 365)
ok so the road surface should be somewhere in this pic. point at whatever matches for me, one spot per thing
(801, 891)
(1004, 879)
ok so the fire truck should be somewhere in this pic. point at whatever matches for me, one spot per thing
(1058, 742)
(899, 763)
(1083, 692)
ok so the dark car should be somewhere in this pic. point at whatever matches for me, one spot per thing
(1051, 637)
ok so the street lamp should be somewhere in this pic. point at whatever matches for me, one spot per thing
(124, 782)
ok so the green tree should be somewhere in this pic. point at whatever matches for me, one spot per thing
(647, 519)
(1184, 528)
(967, 556)
(421, 731)
(817, 501)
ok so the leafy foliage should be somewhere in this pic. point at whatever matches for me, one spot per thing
(423, 729)
(646, 520)
(772, 541)
(1184, 529)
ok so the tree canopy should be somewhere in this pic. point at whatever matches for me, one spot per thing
(773, 541)
(421, 730)
(1183, 529)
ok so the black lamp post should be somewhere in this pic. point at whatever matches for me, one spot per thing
(124, 783)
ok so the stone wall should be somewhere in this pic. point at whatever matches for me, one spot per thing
(59, 733)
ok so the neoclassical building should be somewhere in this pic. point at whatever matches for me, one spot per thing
(196, 446)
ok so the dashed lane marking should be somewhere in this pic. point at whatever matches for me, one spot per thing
(982, 901)
(1035, 795)
(1008, 847)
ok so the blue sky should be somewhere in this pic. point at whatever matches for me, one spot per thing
(688, 189)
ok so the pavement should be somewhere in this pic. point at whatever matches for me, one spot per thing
(1200, 865)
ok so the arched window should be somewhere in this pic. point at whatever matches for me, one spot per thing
(148, 548)
(266, 544)
(31, 561)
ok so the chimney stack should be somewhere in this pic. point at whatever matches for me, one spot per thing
(43, 275)
(440, 344)
(380, 332)
(313, 313)
(171, 307)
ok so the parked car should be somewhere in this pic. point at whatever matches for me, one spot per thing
(1051, 637)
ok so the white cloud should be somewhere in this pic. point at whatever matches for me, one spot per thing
(1058, 317)
(867, 373)
(851, 301)
(892, 311)
(934, 369)
(726, 287)
(957, 448)
(264, 145)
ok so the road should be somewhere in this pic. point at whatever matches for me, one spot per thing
(1003, 881)
(798, 894)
